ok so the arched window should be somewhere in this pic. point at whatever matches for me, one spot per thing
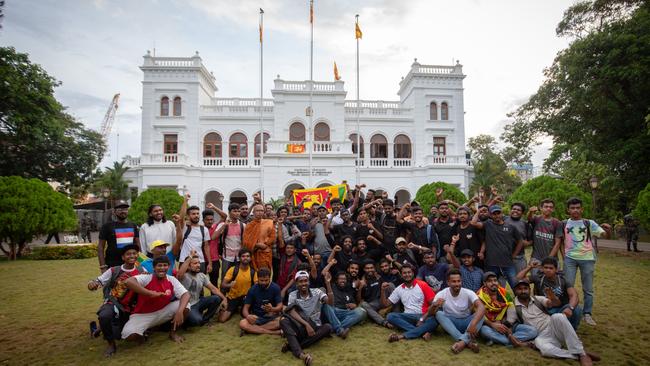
(257, 144)
(297, 132)
(212, 145)
(164, 106)
(444, 111)
(353, 138)
(238, 145)
(402, 147)
(321, 132)
(433, 111)
(378, 147)
(177, 106)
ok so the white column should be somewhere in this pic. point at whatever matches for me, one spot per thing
(391, 154)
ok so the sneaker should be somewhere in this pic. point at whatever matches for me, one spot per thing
(589, 320)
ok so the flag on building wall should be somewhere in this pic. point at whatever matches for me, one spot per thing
(357, 31)
(336, 72)
(295, 148)
(319, 195)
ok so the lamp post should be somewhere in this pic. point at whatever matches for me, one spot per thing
(106, 193)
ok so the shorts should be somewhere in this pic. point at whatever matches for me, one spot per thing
(234, 304)
(261, 320)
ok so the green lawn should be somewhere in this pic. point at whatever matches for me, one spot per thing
(45, 310)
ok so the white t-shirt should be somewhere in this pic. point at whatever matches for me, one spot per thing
(193, 241)
(416, 299)
(459, 306)
(105, 277)
(179, 290)
(165, 231)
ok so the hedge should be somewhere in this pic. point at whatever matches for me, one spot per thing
(54, 252)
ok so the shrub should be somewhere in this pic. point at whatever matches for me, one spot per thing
(537, 189)
(168, 199)
(426, 195)
(642, 209)
(56, 252)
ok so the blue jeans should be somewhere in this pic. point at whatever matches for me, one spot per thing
(571, 267)
(504, 273)
(201, 312)
(573, 319)
(522, 332)
(407, 322)
(457, 327)
(340, 319)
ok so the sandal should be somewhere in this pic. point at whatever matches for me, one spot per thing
(458, 347)
(473, 346)
(285, 347)
(307, 359)
(394, 337)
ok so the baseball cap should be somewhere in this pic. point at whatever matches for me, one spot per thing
(157, 243)
(466, 252)
(495, 208)
(399, 240)
(121, 203)
(523, 281)
(301, 274)
(129, 247)
(489, 274)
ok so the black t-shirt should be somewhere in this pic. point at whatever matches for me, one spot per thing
(342, 260)
(406, 257)
(372, 290)
(343, 296)
(469, 238)
(559, 286)
(444, 230)
(418, 234)
(117, 236)
(500, 242)
(342, 230)
(389, 230)
(258, 296)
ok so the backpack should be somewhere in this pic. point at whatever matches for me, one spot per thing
(520, 317)
(116, 271)
(189, 230)
(235, 272)
(432, 238)
(222, 239)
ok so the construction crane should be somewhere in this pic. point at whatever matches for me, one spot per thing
(109, 118)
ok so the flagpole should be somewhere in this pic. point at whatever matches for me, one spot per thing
(261, 106)
(358, 111)
(311, 87)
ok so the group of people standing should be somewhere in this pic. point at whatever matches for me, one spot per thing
(306, 273)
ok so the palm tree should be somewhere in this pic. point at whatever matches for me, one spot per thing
(113, 179)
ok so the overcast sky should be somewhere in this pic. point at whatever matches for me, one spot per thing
(95, 47)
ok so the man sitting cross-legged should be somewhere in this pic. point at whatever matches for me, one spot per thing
(301, 324)
(262, 306)
(369, 295)
(453, 310)
(495, 327)
(553, 330)
(155, 306)
(416, 296)
(202, 308)
(118, 299)
(342, 310)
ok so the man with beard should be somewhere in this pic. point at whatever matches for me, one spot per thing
(302, 325)
(262, 306)
(483, 212)
(553, 330)
(388, 273)
(469, 237)
(502, 244)
(420, 233)
(369, 293)
(343, 253)
(444, 227)
(388, 226)
(237, 281)
(194, 237)
(161, 298)
(402, 254)
(259, 237)
(114, 236)
(453, 311)
(433, 273)
(244, 213)
(373, 237)
(118, 299)
(416, 296)
(288, 265)
(517, 210)
(550, 277)
(202, 308)
(361, 251)
(157, 227)
(346, 228)
(472, 276)
(229, 234)
(495, 328)
(341, 309)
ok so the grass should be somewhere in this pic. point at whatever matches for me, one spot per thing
(46, 308)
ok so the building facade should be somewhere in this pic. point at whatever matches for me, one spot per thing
(196, 142)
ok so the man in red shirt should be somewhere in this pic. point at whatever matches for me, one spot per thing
(155, 305)
(416, 296)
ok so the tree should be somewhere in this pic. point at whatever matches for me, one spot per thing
(642, 209)
(168, 199)
(490, 169)
(39, 139)
(426, 195)
(535, 190)
(113, 179)
(29, 208)
(594, 102)
(276, 202)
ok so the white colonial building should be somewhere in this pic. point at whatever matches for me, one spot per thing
(195, 141)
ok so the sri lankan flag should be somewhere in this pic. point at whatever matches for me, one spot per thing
(295, 148)
(357, 31)
(319, 195)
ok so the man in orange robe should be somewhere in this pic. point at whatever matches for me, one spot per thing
(259, 237)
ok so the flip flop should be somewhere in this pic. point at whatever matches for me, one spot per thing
(393, 338)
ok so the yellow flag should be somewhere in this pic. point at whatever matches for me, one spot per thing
(260, 33)
(357, 31)
(336, 72)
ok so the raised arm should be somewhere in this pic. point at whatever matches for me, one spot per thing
(476, 222)
(327, 277)
(176, 247)
(450, 251)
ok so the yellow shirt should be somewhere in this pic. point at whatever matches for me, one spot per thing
(242, 282)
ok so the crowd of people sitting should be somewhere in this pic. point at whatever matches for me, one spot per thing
(305, 273)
